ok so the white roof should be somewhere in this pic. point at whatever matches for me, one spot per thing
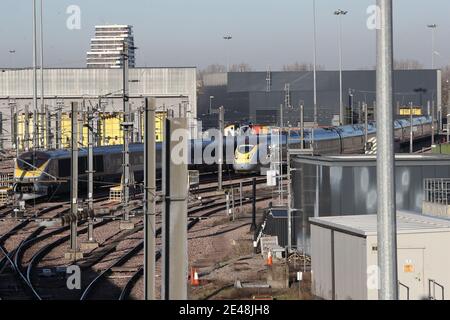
(114, 26)
(366, 225)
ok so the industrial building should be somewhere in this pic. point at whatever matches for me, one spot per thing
(175, 90)
(108, 45)
(325, 186)
(344, 257)
(257, 96)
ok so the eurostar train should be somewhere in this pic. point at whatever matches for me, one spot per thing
(350, 139)
(47, 173)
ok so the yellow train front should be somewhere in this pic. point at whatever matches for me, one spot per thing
(31, 173)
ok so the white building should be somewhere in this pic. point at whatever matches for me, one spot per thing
(108, 45)
(344, 257)
(175, 91)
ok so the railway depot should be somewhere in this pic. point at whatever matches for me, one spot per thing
(120, 182)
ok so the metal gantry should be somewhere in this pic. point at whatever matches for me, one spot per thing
(90, 172)
(127, 125)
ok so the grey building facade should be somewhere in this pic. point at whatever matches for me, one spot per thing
(256, 96)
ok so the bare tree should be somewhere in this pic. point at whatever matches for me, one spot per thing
(407, 64)
(214, 68)
(301, 67)
(446, 87)
(241, 67)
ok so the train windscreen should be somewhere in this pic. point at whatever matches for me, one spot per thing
(30, 161)
(245, 149)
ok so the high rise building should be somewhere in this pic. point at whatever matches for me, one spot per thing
(108, 45)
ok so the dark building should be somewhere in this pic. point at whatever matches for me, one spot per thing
(256, 96)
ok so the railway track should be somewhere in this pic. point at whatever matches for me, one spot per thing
(127, 289)
(29, 271)
(211, 209)
(8, 256)
(25, 272)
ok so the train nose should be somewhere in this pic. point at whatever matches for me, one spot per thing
(244, 167)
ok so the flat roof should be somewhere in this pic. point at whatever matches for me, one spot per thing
(366, 225)
(370, 160)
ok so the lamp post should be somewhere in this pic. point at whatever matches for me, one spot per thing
(35, 102)
(228, 38)
(314, 62)
(339, 13)
(433, 28)
(211, 98)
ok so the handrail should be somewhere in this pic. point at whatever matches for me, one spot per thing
(433, 297)
(406, 287)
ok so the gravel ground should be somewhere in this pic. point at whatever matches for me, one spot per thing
(211, 241)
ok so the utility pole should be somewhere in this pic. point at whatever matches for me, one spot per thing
(302, 125)
(91, 243)
(253, 226)
(58, 125)
(280, 150)
(433, 28)
(13, 108)
(431, 107)
(138, 122)
(43, 114)
(174, 237)
(339, 13)
(150, 193)
(35, 106)
(448, 128)
(386, 203)
(48, 128)
(220, 147)
(366, 126)
(100, 129)
(74, 253)
(314, 63)
(27, 129)
(127, 125)
(411, 133)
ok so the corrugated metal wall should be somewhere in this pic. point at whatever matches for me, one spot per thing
(348, 187)
(95, 82)
(321, 265)
(172, 87)
(361, 82)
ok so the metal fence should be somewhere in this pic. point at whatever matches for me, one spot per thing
(6, 180)
(437, 191)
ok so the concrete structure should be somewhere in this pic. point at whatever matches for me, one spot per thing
(108, 45)
(256, 96)
(344, 257)
(347, 185)
(175, 90)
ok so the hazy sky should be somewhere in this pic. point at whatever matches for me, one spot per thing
(189, 32)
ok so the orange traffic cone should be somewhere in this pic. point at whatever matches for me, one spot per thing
(195, 281)
(192, 276)
(269, 258)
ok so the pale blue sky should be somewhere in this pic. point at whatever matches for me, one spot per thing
(189, 32)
